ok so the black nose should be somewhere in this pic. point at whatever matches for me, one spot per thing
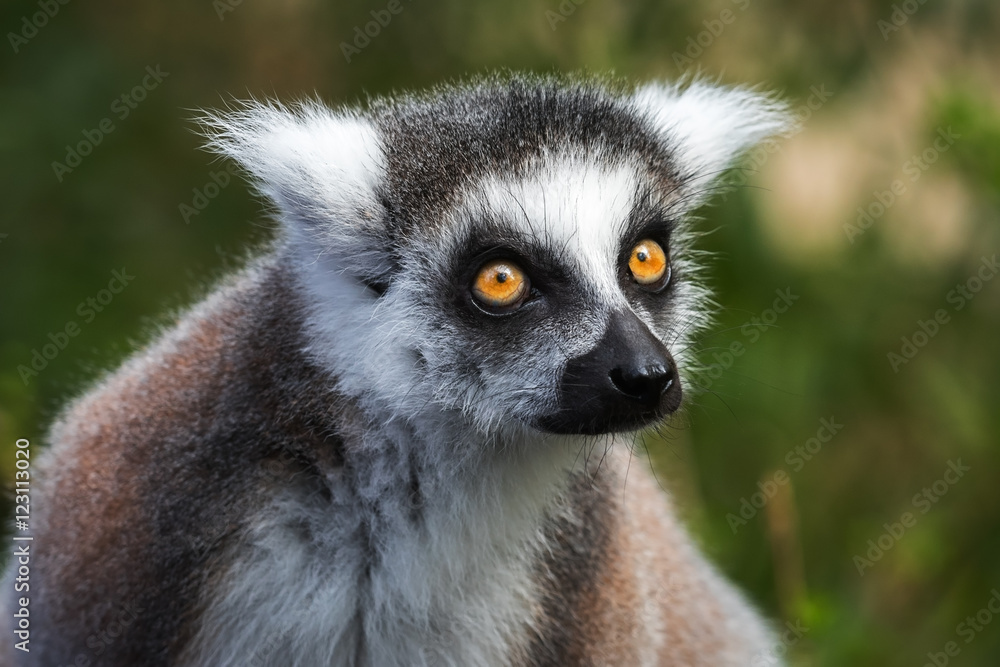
(645, 384)
(626, 381)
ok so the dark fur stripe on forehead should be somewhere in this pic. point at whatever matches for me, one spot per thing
(437, 144)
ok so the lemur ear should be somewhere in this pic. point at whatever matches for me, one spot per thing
(321, 168)
(706, 127)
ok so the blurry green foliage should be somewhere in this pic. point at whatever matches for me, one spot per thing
(826, 357)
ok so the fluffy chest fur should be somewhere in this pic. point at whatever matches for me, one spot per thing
(402, 563)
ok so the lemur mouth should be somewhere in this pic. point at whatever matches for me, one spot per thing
(567, 422)
(627, 381)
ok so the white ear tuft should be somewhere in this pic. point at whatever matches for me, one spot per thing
(322, 169)
(708, 126)
(305, 155)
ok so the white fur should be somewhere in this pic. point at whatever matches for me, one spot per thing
(332, 159)
(574, 203)
(709, 126)
(319, 166)
(459, 591)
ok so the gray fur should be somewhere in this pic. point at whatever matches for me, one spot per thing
(333, 460)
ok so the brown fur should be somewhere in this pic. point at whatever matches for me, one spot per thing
(140, 487)
(623, 585)
(152, 477)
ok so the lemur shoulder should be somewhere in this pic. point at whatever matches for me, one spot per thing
(402, 436)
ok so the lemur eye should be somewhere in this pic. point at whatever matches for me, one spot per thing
(648, 264)
(500, 285)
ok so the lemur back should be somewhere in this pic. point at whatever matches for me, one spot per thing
(402, 435)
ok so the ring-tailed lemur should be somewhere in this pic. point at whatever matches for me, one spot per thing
(390, 440)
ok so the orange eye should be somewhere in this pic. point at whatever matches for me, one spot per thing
(648, 262)
(500, 284)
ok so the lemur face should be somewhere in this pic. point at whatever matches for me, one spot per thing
(555, 293)
(515, 251)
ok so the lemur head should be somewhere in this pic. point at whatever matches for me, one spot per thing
(513, 251)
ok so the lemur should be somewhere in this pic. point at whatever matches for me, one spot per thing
(404, 435)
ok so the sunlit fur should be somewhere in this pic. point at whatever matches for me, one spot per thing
(443, 534)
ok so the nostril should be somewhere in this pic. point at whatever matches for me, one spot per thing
(645, 384)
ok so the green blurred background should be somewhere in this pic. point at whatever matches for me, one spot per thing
(876, 84)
